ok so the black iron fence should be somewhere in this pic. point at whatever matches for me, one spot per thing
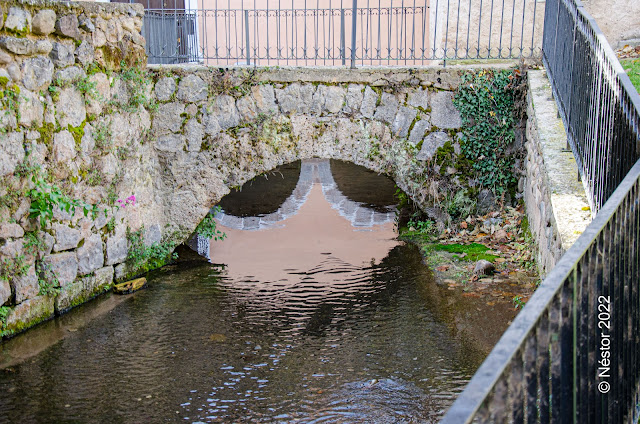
(573, 352)
(596, 99)
(342, 32)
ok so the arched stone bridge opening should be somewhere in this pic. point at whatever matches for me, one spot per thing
(207, 142)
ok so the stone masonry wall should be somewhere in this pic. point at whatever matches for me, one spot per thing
(555, 199)
(81, 115)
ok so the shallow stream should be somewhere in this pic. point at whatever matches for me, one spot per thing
(311, 311)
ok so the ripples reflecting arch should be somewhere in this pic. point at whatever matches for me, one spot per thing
(312, 171)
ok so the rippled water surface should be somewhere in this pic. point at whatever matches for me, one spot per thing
(320, 317)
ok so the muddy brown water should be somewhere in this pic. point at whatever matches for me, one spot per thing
(312, 319)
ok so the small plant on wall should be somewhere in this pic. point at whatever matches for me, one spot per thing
(207, 228)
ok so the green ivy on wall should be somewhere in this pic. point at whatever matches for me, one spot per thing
(485, 100)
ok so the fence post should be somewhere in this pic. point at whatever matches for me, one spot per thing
(246, 20)
(343, 53)
(353, 34)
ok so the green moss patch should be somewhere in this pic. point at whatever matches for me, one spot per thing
(473, 251)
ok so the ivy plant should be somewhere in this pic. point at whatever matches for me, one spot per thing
(486, 104)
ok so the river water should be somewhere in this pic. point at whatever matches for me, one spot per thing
(310, 311)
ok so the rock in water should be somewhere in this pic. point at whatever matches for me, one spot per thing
(130, 286)
(483, 267)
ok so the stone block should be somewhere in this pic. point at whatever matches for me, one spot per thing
(334, 99)
(247, 108)
(44, 47)
(194, 132)
(30, 109)
(4, 59)
(20, 46)
(44, 22)
(265, 99)
(192, 89)
(10, 230)
(225, 111)
(386, 111)
(64, 147)
(26, 286)
(443, 113)
(11, 151)
(18, 20)
(431, 143)
(67, 26)
(117, 249)
(5, 291)
(419, 129)
(84, 53)
(168, 118)
(86, 23)
(172, 143)
(369, 101)
(70, 108)
(353, 100)
(403, 120)
(104, 277)
(164, 89)
(90, 255)
(62, 54)
(419, 98)
(66, 237)
(30, 313)
(63, 265)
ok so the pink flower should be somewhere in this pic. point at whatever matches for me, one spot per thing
(131, 200)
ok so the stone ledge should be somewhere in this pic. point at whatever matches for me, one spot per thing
(557, 204)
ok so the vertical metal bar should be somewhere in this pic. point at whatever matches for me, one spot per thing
(246, 20)
(342, 46)
(353, 34)
(479, 30)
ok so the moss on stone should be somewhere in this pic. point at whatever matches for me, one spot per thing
(46, 133)
(77, 133)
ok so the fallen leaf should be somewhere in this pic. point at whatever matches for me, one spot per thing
(463, 224)
(443, 268)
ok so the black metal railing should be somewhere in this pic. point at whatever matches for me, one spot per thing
(572, 355)
(342, 32)
(597, 102)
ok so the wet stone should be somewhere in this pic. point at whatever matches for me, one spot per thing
(251, 223)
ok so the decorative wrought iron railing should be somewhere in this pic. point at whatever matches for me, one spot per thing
(344, 32)
(572, 355)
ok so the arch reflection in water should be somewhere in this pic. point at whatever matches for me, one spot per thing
(317, 229)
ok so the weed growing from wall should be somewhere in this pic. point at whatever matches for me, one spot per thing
(485, 100)
(207, 228)
(142, 258)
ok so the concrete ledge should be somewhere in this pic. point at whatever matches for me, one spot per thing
(555, 199)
